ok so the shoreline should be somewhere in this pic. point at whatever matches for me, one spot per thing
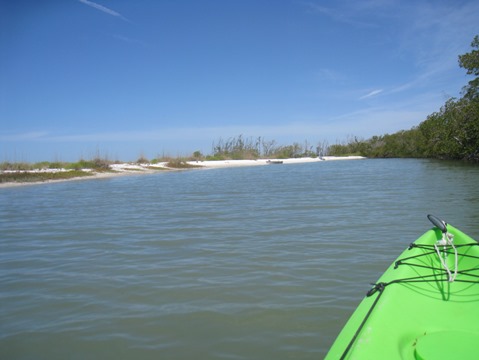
(126, 169)
(235, 163)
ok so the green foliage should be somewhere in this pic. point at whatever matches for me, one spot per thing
(96, 164)
(42, 165)
(470, 62)
(197, 155)
(251, 149)
(237, 148)
(450, 133)
(15, 166)
(25, 177)
(56, 165)
(453, 132)
(142, 160)
(216, 157)
(180, 164)
(354, 146)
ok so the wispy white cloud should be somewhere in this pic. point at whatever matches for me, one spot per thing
(122, 144)
(363, 122)
(371, 94)
(341, 14)
(103, 9)
(429, 36)
(433, 35)
(23, 136)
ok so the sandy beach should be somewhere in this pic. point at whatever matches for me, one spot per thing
(125, 169)
(234, 163)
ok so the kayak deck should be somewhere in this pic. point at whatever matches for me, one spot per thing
(415, 311)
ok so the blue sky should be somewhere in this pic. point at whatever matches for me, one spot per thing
(161, 77)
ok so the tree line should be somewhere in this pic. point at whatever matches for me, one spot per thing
(241, 147)
(450, 133)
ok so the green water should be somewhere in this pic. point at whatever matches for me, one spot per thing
(242, 263)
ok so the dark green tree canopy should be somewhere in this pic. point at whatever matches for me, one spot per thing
(450, 133)
(470, 62)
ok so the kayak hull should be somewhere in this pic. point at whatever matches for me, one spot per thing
(415, 312)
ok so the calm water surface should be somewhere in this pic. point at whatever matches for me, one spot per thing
(242, 263)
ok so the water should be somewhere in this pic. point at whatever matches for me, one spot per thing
(241, 263)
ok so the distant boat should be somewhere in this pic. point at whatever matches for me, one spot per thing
(274, 161)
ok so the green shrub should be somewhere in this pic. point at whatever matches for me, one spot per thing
(26, 177)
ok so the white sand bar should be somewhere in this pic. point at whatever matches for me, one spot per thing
(133, 169)
(234, 163)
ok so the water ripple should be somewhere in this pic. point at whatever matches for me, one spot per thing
(242, 263)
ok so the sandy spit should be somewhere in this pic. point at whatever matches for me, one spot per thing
(139, 169)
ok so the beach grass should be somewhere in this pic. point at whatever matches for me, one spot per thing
(30, 177)
(180, 164)
(18, 173)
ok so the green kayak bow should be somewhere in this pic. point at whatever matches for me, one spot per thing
(425, 306)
